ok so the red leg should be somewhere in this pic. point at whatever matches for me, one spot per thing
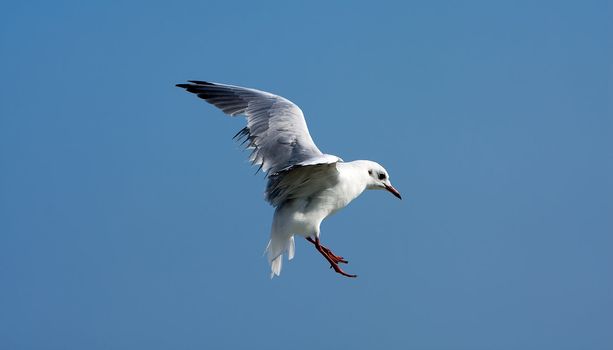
(329, 256)
(336, 258)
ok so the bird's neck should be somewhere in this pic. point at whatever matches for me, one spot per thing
(354, 177)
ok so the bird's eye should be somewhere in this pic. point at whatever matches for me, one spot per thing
(369, 172)
(381, 176)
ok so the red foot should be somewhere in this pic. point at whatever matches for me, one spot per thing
(331, 257)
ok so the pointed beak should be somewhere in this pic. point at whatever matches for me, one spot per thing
(393, 191)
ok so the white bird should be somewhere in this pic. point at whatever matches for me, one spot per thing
(304, 185)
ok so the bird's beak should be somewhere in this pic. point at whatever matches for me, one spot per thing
(393, 191)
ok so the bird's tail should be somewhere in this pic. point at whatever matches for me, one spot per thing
(278, 245)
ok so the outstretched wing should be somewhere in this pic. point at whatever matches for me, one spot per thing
(276, 129)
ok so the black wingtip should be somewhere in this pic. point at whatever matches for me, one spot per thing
(194, 84)
(200, 82)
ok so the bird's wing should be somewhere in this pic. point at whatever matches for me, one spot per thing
(276, 129)
(300, 182)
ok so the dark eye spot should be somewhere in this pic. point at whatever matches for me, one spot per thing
(369, 172)
(381, 176)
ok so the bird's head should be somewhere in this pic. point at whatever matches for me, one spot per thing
(378, 179)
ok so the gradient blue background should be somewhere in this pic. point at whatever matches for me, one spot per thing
(130, 220)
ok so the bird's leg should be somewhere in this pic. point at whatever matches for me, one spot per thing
(336, 258)
(333, 261)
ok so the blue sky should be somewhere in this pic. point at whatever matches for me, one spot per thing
(129, 219)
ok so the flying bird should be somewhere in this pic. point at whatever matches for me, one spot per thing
(305, 185)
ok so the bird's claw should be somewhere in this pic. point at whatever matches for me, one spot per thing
(333, 259)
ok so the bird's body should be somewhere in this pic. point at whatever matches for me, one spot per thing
(342, 183)
(304, 184)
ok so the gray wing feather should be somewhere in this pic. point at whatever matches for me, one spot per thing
(276, 129)
(300, 182)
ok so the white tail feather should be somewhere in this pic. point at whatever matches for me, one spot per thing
(275, 266)
(291, 250)
(275, 249)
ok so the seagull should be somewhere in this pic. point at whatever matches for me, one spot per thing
(305, 185)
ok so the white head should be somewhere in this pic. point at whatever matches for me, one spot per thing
(378, 179)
